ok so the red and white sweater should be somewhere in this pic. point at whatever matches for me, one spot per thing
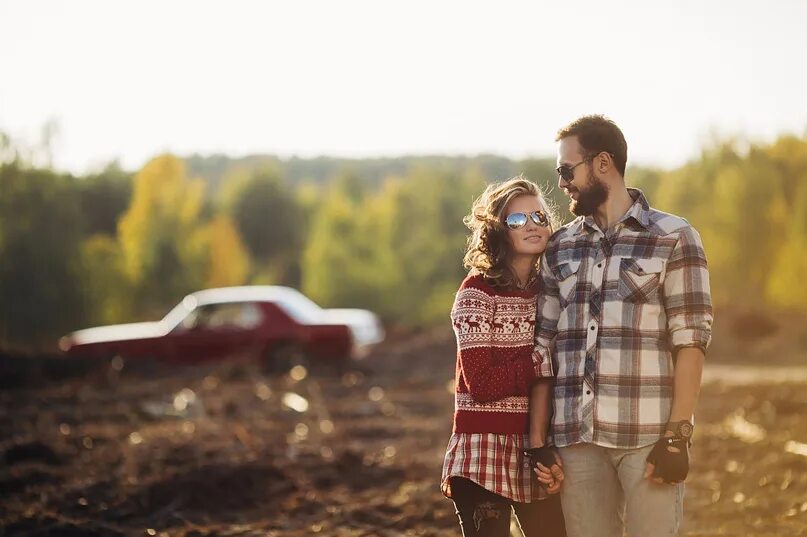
(495, 361)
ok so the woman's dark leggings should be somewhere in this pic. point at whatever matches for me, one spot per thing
(485, 514)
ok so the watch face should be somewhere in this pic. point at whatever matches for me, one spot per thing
(685, 429)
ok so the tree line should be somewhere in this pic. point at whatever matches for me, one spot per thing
(383, 234)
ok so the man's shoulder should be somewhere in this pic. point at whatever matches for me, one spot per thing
(561, 240)
(664, 224)
(565, 232)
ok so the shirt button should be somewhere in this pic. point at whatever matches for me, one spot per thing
(588, 392)
(592, 328)
(599, 265)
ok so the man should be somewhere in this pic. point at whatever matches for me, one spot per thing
(625, 317)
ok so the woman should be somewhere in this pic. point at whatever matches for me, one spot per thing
(486, 472)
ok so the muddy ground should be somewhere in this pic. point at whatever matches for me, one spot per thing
(136, 449)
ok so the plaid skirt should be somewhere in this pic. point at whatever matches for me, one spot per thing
(493, 461)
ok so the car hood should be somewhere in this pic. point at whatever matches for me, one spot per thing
(365, 325)
(117, 332)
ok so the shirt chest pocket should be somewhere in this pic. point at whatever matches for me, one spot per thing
(567, 275)
(640, 280)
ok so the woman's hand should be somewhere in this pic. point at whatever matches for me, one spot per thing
(551, 478)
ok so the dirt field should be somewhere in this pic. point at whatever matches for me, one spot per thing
(226, 450)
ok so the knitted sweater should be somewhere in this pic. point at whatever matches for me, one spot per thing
(495, 361)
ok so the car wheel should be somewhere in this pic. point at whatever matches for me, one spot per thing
(283, 357)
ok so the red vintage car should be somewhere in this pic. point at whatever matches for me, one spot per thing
(274, 323)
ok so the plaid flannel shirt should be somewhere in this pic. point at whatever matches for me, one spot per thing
(616, 307)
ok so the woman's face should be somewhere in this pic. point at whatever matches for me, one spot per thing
(530, 239)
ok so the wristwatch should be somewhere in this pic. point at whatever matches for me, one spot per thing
(681, 429)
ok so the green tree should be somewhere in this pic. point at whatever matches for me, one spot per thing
(106, 286)
(428, 237)
(787, 223)
(105, 197)
(40, 271)
(159, 256)
(397, 251)
(334, 251)
(269, 222)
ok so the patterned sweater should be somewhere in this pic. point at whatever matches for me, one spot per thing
(495, 361)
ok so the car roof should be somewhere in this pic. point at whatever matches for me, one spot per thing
(247, 293)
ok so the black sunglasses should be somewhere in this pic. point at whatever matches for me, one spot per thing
(566, 172)
(517, 220)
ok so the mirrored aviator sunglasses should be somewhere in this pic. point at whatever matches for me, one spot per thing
(517, 220)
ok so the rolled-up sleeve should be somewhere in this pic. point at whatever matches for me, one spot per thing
(687, 295)
(547, 312)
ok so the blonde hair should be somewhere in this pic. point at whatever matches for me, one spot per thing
(489, 246)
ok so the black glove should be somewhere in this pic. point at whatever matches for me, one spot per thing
(544, 455)
(670, 466)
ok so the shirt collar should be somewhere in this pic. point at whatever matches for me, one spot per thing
(639, 211)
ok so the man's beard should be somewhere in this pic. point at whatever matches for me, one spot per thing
(588, 200)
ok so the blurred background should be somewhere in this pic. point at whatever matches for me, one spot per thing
(152, 149)
(336, 148)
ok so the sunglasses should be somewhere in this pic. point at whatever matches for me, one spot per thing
(566, 172)
(518, 220)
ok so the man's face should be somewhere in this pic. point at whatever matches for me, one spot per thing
(585, 190)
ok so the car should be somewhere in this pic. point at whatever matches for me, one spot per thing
(277, 324)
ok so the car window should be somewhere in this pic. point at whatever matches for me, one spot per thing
(249, 316)
(244, 315)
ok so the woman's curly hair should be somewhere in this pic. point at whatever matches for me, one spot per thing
(489, 246)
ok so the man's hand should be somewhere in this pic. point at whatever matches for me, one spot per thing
(547, 465)
(668, 462)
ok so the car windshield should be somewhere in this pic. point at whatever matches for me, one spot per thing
(178, 314)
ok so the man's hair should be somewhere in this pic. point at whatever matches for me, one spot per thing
(596, 134)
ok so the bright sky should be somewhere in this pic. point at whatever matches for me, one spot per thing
(129, 79)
